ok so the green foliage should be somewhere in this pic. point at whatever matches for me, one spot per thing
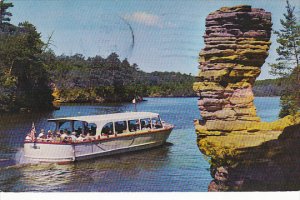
(290, 102)
(288, 59)
(288, 38)
(4, 14)
(24, 82)
(110, 79)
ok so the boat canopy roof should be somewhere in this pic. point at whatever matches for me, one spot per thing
(108, 117)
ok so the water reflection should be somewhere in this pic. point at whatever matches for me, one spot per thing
(101, 174)
(272, 166)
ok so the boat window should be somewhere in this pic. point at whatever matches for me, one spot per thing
(107, 129)
(146, 123)
(65, 126)
(156, 123)
(121, 127)
(134, 125)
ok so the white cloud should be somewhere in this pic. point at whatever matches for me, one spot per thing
(146, 19)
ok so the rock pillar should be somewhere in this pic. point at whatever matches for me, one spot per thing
(236, 46)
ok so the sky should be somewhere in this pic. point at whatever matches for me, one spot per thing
(167, 33)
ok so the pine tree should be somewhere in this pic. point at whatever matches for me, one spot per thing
(288, 59)
(4, 14)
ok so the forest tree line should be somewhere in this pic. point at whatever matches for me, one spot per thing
(97, 79)
(32, 76)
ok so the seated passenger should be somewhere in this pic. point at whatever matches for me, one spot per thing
(78, 132)
(86, 129)
(80, 138)
(42, 134)
(68, 139)
(65, 131)
(93, 130)
(63, 135)
(137, 125)
(73, 136)
(158, 125)
(132, 128)
(90, 137)
(50, 136)
(69, 133)
(56, 136)
(149, 124)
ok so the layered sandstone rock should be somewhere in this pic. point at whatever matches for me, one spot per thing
(230, 132)
(236, 46)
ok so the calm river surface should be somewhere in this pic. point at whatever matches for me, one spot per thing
(176, 166)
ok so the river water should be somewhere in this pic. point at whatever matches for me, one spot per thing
(176, 166)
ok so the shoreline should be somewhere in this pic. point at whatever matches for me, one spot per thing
(148, 97)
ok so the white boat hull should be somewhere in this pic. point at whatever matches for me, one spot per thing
(63, 153)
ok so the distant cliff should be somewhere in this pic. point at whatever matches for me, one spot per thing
(269, 87)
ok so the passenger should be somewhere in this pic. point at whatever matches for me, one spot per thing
(42, 134)
(80, 138)
(63, 135)
(158, 124)
(149, 124)
(28, 137)
(86, 129)
(57, 136)
(73, 136)
(153, 124)
(93, 130)
(79, 131)
(132, 128)
(50, 136)
(90, 137)
(137, 125)
(69, 133)
(68, 139)
(143, 125)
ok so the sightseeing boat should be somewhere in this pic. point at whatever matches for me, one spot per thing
(84, 137)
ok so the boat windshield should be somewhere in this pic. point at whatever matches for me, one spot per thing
(156, 122)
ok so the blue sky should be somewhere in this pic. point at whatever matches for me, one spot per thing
(168, 33)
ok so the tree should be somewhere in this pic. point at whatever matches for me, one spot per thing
(24, 78)
(4, 14)
(288, 59)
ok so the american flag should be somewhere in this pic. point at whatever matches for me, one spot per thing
(134, 101)
(32, 132)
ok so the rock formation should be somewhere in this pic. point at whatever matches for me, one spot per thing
(236, 46)
(237, 41)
